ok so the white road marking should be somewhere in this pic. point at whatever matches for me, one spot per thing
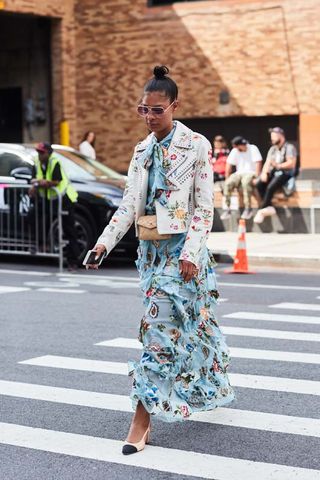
(260, 382)
(102, 283)
(25, 272)
(155, 458)
(273, 355)
(275, 334)
(5, 289)
(51, 284)
(59, 290)
(82, 364)
(78, 277)
(274, 317)
(268, 285)
(297, 306)
(221, 416)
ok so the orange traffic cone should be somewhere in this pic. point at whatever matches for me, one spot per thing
(240, 264)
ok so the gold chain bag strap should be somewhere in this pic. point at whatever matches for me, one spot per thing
(147, 229)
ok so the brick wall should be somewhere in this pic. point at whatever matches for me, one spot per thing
(262, 51)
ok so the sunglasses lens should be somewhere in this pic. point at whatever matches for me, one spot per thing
(157, 110)
(142, 110)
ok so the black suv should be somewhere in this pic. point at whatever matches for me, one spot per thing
(100, 189)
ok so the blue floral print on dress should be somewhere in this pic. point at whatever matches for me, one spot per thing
(183, 366)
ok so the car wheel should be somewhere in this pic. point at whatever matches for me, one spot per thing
(84, 232)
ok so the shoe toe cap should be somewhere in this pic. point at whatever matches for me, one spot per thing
(128, 449)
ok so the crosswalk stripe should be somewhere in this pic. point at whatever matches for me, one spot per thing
(109, 283)
(9, 289)
(263, 286)
(155, 458)
(274, 317)
(59, 290)
(25, 272)
(297, 306)
(260, 382)
(273, 355)
(52, 284)
(264, 333)
(82, 364)
(275, 334)
(222, 416)
(95, 277)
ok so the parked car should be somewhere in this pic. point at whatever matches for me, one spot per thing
(100, 189)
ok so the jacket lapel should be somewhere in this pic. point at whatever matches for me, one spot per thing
(179, 154)
(177, 157)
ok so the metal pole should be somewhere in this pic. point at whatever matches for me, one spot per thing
(64, 133)
(60, 231)
(313, 219)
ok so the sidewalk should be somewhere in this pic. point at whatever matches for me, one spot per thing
(270, 249)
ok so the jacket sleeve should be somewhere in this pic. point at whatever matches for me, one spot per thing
(201, 222)
(124, 217)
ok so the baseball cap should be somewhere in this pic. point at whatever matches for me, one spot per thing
(276, 130)
(239, 140)
(43, 147)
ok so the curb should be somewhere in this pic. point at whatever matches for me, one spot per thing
(265, 260)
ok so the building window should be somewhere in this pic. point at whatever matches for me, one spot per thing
(159, 3)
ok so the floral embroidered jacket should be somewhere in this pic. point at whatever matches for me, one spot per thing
(187, 204)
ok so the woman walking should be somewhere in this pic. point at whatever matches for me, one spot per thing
(87, 145)
(183, 366)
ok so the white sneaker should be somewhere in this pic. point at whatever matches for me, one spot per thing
(247, 214)
(226, 214)
(269, 211)
(259, 217)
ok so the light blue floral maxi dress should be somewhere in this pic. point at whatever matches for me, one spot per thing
(183, 366)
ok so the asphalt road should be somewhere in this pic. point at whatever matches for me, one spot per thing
(64, 411)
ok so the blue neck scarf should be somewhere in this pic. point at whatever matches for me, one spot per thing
(153, 160)
(154, 151)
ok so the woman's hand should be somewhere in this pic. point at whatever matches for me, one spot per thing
(100, 249)
(264, 177)
(188, 270)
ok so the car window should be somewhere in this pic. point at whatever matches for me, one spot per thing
(9, 161)
(73, 170)
(92, 166)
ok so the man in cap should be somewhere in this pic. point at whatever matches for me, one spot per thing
(248, 162)
(279, 167)
(50, 178)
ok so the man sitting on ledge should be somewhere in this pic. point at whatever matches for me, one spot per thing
(248, 162)
(277, 170)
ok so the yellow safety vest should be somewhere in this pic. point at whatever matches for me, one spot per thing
(63, 187)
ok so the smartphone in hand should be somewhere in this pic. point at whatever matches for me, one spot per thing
(92, 259)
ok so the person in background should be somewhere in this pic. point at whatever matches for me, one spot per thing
(277, 170)
(49, 176)
(219, 158)
(87, 145)
(247, 160)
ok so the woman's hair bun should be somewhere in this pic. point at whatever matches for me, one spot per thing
(160, 71)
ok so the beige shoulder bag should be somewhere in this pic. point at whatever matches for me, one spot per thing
(147, 229)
